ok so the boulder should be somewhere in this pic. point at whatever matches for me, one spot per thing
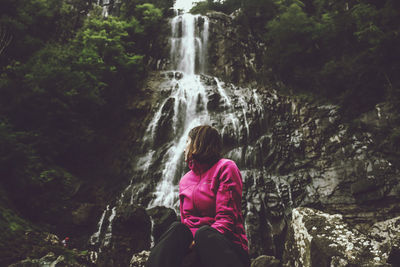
(130, 233)
(49, 260)
(162, 218)
(265, 261)
(231, 53)
(164, 127)
(316, 238)
(139, 259)
(70, 258)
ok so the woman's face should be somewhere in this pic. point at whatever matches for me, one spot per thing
(186, 150)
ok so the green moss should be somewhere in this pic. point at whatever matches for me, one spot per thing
(11, 223)
(14, 226)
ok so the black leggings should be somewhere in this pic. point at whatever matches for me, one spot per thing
(212, 248)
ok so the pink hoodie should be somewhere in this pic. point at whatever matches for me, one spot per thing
(213, 196)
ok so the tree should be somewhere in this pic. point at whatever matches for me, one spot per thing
(5, 39)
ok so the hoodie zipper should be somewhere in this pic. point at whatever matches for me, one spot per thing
(194, 198)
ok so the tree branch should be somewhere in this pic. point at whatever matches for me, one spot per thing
(5, 39)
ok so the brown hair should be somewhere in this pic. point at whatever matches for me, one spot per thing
(205, 146)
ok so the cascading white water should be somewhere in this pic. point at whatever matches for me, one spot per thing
(104, 5)
(191, 102)
(96, 236)
(188, 47)
(189, 42)
(189, 97)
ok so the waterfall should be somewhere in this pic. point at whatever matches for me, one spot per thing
(193, 98)
(189, 40)
(289, 152)
(105, 4)
(188, 43)
(95, 237)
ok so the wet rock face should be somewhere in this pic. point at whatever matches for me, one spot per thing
(303, 155)
(130, 234)
(290, 153)
(164, 129)
(316, 238)
(265, 261)
(162, 218)
(232, 55)
(85, 215)
(296, 153)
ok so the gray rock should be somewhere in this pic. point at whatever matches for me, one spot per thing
(162, 218)
(139, 259)
(51, 260)
(316, 238)
(265, 261)
(130, 234)
(291, 153)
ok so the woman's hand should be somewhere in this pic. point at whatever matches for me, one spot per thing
(191, 245)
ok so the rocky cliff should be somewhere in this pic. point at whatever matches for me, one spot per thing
(233, 53)
(300, 154)
(318, 190)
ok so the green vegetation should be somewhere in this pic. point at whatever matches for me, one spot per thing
(66, 75)
(346, 51)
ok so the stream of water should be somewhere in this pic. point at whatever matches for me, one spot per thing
(194, 99)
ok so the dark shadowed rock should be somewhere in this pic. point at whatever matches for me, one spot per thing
(162, 218)
(265, 261)
(130, 234)
(85, 214)
(164, 127)
(213, 101)
(234, 54)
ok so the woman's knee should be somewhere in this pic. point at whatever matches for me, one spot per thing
(178, 227)
(176, 231)
(203, 233)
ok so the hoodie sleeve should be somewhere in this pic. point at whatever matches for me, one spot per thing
(181, 208)
(228, 199)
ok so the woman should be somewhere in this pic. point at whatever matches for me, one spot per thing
(210, 205)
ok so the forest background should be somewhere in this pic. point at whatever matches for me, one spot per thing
(67, 74)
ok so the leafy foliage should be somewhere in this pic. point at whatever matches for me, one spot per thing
(346, 51)
(65, 80)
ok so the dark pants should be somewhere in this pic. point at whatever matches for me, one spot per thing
(212, 248)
